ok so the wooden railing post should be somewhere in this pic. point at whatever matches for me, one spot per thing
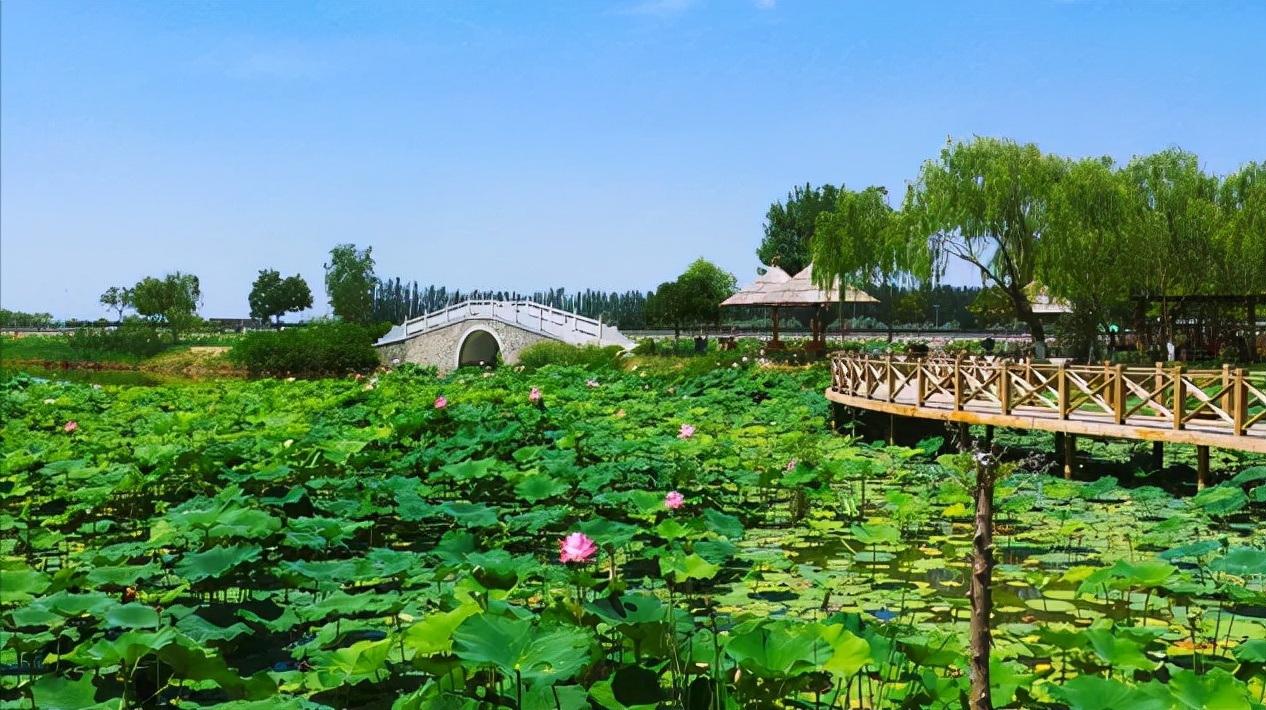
(1225, 400)
(1239, 403)
(1117, 387)
(889, 380)
(958, 382)
(1004, 386)
(1061, 385)
(1159, 385)
(1180, 397)
(920, 388)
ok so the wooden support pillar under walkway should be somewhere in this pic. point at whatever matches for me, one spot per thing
(1070, 455)
(1158, 456)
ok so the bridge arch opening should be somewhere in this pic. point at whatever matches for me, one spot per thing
(478, 347)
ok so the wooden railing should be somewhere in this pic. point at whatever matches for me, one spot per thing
(1230, 401)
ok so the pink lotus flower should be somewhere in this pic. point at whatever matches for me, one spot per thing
(591, 383)
(674, 500)
(534, 395)
(791, 464)
(576, 547)
(441, 402)
(71, 426)
(686, 432)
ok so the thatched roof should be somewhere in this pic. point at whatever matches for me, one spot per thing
(797, 290)
(755, 294)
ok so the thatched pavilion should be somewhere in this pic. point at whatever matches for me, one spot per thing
(775, 289)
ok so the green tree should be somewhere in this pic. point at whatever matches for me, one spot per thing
(1241, 240)
(694, 298)
(789, 228)
(272, 296)
(349, 282)
(863, 242)
(985, 202)
(1173, 238)
(1086, 253)
(172, 301)
(117, 298)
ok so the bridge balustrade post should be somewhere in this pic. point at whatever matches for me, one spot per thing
(1180, 397)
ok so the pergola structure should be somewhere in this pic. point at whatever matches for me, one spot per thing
(775, 289)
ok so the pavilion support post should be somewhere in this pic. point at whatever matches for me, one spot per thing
(964, 437)
(892, 429)
(1070, 455)
(1158, 456)
(1202, 467)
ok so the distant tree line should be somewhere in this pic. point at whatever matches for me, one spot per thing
(18, 319)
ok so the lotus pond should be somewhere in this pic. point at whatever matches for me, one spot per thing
(395, 543)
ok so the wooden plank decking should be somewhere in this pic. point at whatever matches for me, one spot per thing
(1223, 408)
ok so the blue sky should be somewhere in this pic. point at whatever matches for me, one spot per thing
(524, 145)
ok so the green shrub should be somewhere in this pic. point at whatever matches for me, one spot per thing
(133, 339)
(331, 348)
(552, 352)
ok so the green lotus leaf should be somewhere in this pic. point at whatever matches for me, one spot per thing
(1242, 562)
(849, 652)
(1249, 475)
(1216, 689)
(1118, 651)
(683, 567)
(519, 647)
(723, 524)
(871, 534)
(540, 487)
(434, 634)
(1220, 500)
(246, 523)
(779, 649)
(132, 616)
(469, 470)
(216, 561)
(1093, 693)
(472, 515)
(54, 691)
(22, 583)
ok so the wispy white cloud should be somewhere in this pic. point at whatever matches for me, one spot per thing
(766, 4)
(279, 64)
(661, 7)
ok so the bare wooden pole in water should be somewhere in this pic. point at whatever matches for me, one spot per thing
(982, 576)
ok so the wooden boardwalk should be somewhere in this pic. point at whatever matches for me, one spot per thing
(1221, 408)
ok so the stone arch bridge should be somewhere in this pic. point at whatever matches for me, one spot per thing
(476, 332)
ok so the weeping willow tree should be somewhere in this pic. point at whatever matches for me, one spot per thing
(1173, 237)
(985, 201)
(1241, 240)
(1086, 249)
(864, 242)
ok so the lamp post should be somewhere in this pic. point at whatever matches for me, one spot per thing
(937, 308)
